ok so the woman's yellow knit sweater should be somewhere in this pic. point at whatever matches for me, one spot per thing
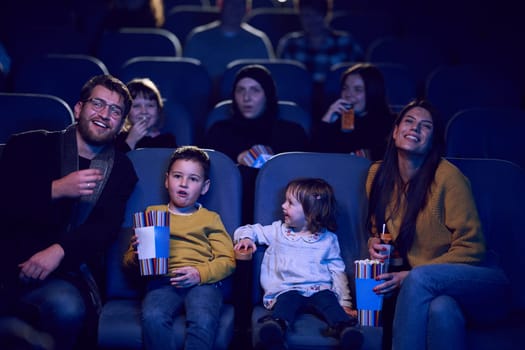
(448, 229)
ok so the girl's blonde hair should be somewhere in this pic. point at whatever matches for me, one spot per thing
(318, 201)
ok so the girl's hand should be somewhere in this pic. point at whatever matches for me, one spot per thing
(185, 277)
(137, 132)
(336, 107)
(350, 312)
(392, 281)
(246, 244)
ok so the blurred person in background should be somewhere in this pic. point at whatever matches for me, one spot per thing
(218, 43)
(318, 46)
(363, 90)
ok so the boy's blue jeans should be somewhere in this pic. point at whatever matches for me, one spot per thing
(436, 301)
(163, 302)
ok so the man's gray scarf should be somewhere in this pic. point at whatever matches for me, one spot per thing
(103, 161)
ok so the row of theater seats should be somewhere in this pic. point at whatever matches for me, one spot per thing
(185, 81)
(483, 132)
(497, 186)
(380, 33)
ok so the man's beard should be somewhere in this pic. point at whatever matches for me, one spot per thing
(91, 137)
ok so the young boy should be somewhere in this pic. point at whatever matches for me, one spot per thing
(201, 255)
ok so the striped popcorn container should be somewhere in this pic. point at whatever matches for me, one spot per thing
(153, 231)
(369, 304)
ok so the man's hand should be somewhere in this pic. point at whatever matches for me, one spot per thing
(40, 265)
(78, 183)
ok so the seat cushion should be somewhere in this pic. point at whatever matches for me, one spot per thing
(306, 334)
(120, 326)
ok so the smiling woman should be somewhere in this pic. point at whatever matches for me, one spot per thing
(426, 204)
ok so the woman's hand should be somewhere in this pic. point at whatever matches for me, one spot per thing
(376, 249)
(243, 158)
(336, 107)
(350, 312)
(245, 244)
(392, 281)
(185, 277)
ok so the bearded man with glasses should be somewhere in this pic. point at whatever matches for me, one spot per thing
(62, 201)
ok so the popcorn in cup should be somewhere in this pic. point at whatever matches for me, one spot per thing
(369, 304)
(153, 233)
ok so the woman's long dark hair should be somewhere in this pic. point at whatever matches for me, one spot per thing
(388, 182)
(375, 90)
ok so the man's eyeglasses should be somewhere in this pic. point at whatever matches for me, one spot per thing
(98, 105)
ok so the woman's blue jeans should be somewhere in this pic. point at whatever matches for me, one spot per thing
(163, 303)
(435, 303)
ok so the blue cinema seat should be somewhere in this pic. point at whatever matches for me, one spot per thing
(347, 175)
(452, 88)
(292, 80)
(180, 80)
(487, 133)
(119, 324)
(288, 110)
(61, 75)
(117, 46)
(23, 112)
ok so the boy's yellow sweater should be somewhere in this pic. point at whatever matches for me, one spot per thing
(199, 240)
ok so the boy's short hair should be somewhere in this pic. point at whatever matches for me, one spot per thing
(193, 153)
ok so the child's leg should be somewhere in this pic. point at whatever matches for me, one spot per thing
(326, 304)
(159, 307)
(274, 327)
(203, 307)
(340, 324)
(287, 306)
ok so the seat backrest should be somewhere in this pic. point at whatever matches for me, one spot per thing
(452, 88)
(487, 133)
(224, 197)
(181, 79)
(400, 84)
(498, 187)
(364, 26)
(61, 75)
(118, 46)
(179, 122)
(288, 110)
(292, 80)
(420, 54)
(275, 22)
(23, 112)
(27, 41)
(344, 172)
(181, 19)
